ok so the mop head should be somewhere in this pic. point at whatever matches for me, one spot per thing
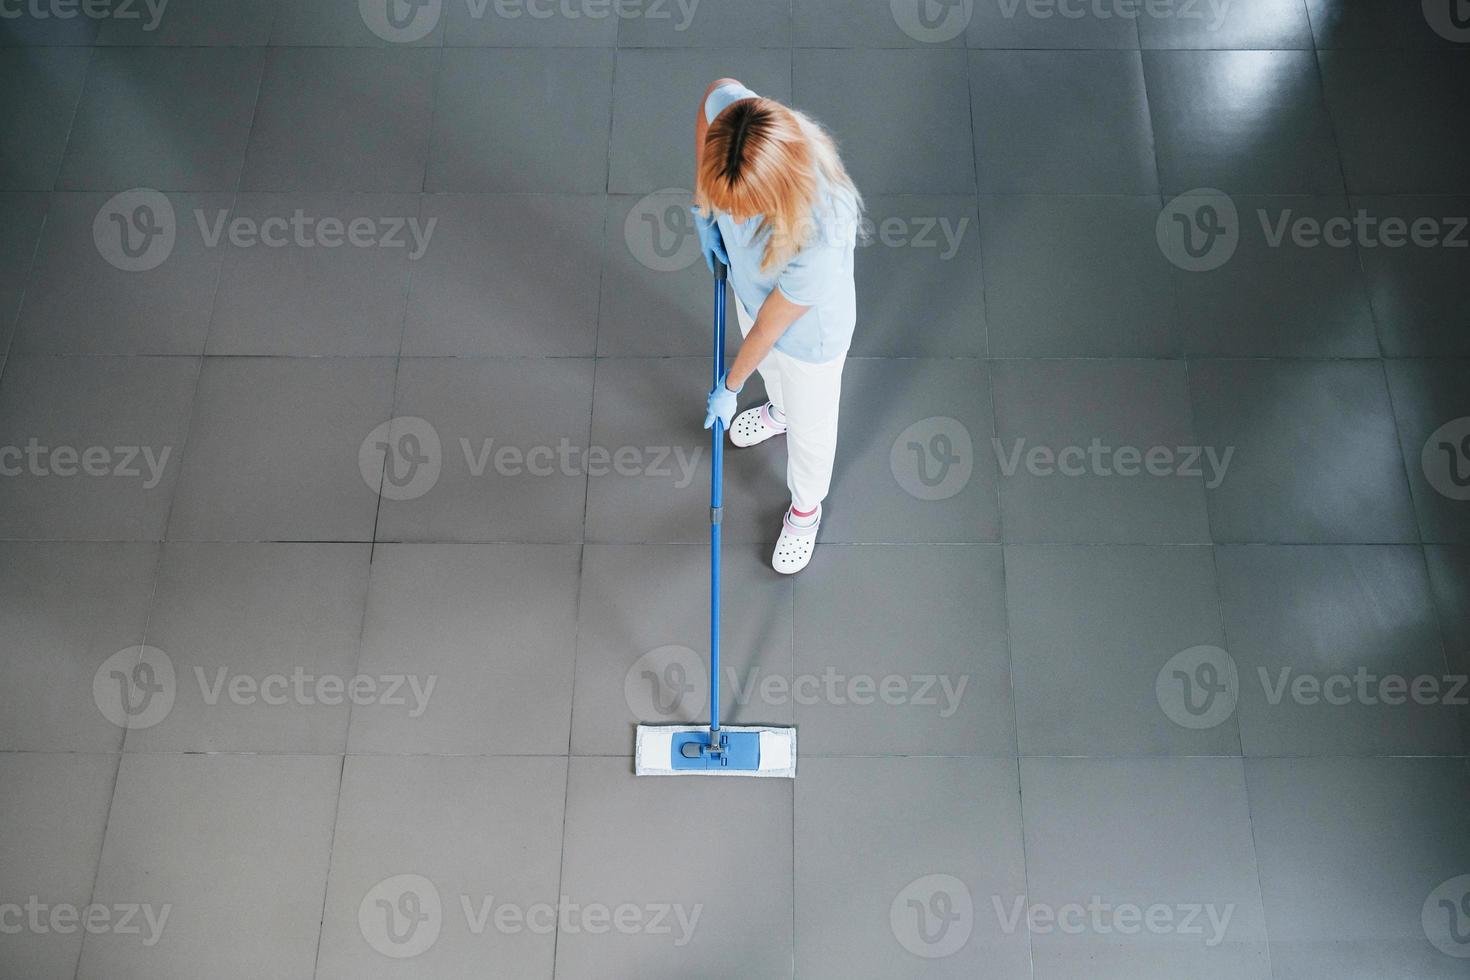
(680, 750)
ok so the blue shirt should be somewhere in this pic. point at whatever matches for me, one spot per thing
(818, 276)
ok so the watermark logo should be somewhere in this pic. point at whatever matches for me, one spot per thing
(135, 687)
(1199, 230)
(1446, 917)
(933, 916)
(401, 916)
(401, 459)
(400, 21)
(122, 10)
(1446, 459)
(40, 918)
(659, 231)
(405, 456)
(932, 21)
(1104, 10)
(1450, 19)
(589, 10)
(1198, 688)
(1099, 917)
(135, 230)
(119, 462)
(670, 682)
(933, 458)
(1099, 459)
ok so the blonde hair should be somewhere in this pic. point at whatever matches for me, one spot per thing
(763, 158)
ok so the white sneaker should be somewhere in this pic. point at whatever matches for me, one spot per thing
(755, 425)
(795, 545)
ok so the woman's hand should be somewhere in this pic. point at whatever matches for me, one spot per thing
(721, 404)
(710, 243)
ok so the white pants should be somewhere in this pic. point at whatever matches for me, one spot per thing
(809, 395)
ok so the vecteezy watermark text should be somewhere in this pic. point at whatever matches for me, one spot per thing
(403, 459)
(404, 916)
(39, 918)
(137, 230)
(1099, 459)
(37, 459)
(150, 11)
(1200, 230)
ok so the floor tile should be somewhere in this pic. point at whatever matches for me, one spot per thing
(263, 639)
(1449, 577)
(1291, 287)
(492, 627)
(655, 98)
(1061, 122)
(360, 23)
(660, 492)
(316, 274)
(913, 458)
(1319, 829)
(545, 129)
(524, 24)
(1240, 24)
(125, 419)
(88, 293)
(1317, 633)
(925, 671)
(343, 120)
(1421, 293)
(1373, 24)
(481, 835)
(741, 896)
(1077, 276)
(1019, 24)
(733, 23)
(1398, 118)
(911, 135)
(53, 814)
(206, 837)
(1290, 479)
(1093, 632)
(653, 667)
(1074, 441)
(21, 218)
(207, 23)
(1244, 122)
(275, 450)
(927, 828)
(42, 87)
(505, 448)
(835, 24)
(1449, 574)
(920, 292)
(1096, 833)
(506, 275)
(171, 119)
(655, 294)
(66, 609)
(1432, 404)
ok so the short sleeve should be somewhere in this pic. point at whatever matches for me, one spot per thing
(812, 272)
(722, 96)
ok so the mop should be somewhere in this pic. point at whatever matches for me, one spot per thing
(716, 750)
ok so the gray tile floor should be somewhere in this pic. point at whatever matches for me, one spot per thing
(353, 497)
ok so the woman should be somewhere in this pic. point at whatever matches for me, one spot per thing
(773, 202)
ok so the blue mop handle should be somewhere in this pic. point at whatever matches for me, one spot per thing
(716, 514)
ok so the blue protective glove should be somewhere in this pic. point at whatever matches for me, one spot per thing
(721, 404)
(711, 245)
